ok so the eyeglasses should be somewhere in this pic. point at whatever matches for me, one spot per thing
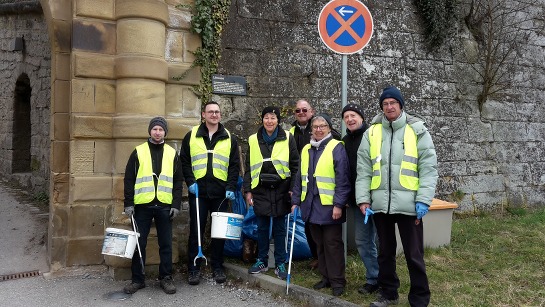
(304, 110)
(320, 127)
(387, 104)
(212, 112)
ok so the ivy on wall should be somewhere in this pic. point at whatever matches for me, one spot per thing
(209, 18)
(437, 17)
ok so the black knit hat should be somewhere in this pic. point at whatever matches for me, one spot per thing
(392, 92)
(158, 121)
(352, 107)
(326, 118)
(271, 109)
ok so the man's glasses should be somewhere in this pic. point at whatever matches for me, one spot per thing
(211, 112)
(320, 127)
(387, 104)
(304, 110)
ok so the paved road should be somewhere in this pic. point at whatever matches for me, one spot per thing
(23, 236)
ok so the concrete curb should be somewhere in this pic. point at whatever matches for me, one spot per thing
(277, 286)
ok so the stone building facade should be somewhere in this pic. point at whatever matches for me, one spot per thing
(95, 71)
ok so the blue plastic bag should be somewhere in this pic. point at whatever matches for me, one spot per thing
(301, 250)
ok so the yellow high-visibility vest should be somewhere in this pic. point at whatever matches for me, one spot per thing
(408, 176)
(199, 156)
(324, 173)
(144, 187)
(280, 158)
(292, 130)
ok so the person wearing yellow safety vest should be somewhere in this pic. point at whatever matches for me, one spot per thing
(301, 132)
(272, 161)
(321, 189)
(397, 176)
(153, 186)
(211, 164)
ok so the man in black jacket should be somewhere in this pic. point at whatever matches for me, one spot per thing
(210, 162)
(153, 191)
(364, 233)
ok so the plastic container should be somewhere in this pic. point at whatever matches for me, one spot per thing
(119, 242)
(226, 225)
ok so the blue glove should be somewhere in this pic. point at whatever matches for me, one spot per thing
(368, 212)
(421, 210)
(230, 195)
(193, 189)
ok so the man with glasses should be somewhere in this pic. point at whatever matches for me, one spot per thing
(210, 163)
(396, 178)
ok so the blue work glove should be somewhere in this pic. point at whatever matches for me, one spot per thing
(193, 189)
(368, 212)
(421, 210)
(174, 213)
(129, 211)
(230, 195)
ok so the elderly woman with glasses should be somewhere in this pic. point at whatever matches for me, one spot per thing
(321, 189)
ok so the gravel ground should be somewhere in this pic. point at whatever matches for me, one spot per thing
(23, 236)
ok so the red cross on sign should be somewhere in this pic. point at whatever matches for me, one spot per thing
(345, 26)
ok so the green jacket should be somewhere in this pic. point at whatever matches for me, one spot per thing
(391, 197)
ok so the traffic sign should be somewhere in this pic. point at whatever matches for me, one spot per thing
(345, 26)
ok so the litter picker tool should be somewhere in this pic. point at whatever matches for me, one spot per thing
(135, 229)
(291, 250)
(199, 254)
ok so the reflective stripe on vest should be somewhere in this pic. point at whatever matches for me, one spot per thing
(199, 156)
(280, 157)
(408, 176)
(324, 173)
(292, 130)
(144, 187)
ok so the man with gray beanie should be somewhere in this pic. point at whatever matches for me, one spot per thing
(153, 191)
(396, 180)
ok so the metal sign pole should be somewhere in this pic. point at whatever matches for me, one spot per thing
(344, 93)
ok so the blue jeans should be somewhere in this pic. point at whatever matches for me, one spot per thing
(278, 234)
(143, 215)
(365, 236)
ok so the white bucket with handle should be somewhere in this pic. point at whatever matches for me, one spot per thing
(226, 225)
(119, 242)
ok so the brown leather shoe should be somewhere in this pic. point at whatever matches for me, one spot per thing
(313, 264)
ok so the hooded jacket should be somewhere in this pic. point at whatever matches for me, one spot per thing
(267, 201)
(312, 209)
(391, 197)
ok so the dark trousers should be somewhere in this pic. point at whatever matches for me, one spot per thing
(206, 205)
(412, 238)
(310, 241)
(330, 248)
(278, 234)
(143, 215)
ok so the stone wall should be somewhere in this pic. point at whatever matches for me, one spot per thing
(486, 158)
(33, 65)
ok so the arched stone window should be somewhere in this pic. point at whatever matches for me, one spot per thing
(21, 135)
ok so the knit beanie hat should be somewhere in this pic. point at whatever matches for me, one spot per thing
(271, 109)
(326, 118)
(352, 107)
(392, 92)
(158, 121)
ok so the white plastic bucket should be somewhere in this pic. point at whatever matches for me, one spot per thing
(226, 225)
(119, 242)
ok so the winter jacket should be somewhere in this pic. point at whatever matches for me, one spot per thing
(352, 141)
(210, 186)
(131, 170)
(312, 209)
(391, 197)
(272, 201)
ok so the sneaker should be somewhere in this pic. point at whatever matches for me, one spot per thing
(168, 285)
(194, 278)
(258, 267)
(368, 289)
(384, 302)
(219, 276)
(281, 272)
(133, 287)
